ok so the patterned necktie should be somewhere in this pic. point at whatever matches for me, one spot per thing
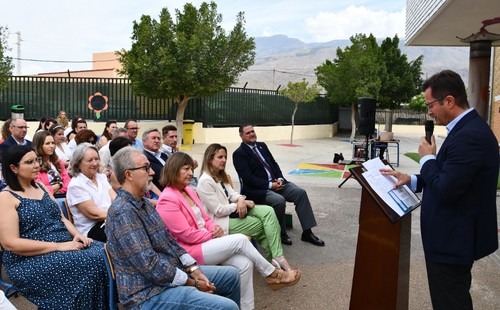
(263, 162)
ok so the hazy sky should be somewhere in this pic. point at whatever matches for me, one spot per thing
(72, 30)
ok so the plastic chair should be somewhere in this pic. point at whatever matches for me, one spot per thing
(8, 288)
(111, 278)
(63, 204)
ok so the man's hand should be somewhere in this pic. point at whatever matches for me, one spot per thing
(277, 185)
(402, 178)
(204, 284)
(425, 148)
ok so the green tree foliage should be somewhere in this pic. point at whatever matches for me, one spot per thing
(6, 65)
(417, 103)
(355, 73)
(366, 69)
(188, 58)
(403, 78)
(299, 92)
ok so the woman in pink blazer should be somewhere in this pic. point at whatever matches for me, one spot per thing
(53, 173)
(182, 212)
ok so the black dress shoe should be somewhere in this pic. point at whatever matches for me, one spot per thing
(286, 240)
(311, 238)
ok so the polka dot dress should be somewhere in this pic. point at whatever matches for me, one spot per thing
(57, 280)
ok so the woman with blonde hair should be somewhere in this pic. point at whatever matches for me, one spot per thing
(185, 218)
(233, 212)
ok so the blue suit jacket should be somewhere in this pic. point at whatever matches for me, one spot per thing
(458, 213)
(11, 142)
(252, 172)
(156, 166)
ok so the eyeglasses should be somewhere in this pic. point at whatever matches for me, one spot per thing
(21, 127)
(134, 128)
(145, 167)
(430, 104)
(37, 160)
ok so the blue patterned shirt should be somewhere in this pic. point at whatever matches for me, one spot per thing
(146, 258)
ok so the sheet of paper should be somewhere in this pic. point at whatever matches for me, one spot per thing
(401, 199)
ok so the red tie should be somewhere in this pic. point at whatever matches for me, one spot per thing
(263, 162)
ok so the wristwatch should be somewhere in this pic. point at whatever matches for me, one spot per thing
(192, 269)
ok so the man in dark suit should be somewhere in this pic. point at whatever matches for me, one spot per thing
(458, 213)
(151, 139)
(18, 128)
(264, 183)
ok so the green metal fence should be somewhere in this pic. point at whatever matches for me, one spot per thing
(46, 96)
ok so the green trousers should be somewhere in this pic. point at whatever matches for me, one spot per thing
(262, 225)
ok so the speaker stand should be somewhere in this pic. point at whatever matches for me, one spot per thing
(366, 148)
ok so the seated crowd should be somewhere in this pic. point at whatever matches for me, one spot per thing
(172, 239)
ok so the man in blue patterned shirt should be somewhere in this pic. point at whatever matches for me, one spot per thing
(152, 270)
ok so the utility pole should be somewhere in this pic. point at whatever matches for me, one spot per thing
(19, 40)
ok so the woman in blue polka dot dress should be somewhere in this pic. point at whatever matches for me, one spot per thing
(47, 259)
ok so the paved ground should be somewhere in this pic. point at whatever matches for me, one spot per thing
(327, 271)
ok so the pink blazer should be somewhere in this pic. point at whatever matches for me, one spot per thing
(181, 221)
(44, 178)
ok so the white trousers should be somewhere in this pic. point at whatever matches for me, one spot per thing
(237, 251)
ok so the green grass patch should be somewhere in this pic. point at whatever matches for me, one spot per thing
(413, 156)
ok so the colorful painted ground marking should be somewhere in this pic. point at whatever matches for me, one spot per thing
(322, 170)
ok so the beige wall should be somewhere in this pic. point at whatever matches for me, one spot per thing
(224, 135)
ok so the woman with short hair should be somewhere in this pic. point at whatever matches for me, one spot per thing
(89, 193)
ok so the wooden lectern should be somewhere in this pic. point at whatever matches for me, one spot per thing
(382, 266)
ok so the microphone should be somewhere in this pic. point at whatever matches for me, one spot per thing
(429, 130)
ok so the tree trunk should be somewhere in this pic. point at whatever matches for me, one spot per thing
(293, 120)
(179, 118)
(353, 121)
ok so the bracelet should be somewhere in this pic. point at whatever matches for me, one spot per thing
(192, 269)
(196, 283)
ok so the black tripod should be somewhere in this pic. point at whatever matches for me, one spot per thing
(366, 159)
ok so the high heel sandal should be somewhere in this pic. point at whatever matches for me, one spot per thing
(275, 282)
(281, 263)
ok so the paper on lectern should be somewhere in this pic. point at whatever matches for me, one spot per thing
(402, 200)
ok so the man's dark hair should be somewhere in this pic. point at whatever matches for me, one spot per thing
(242, 126)
(117, 144)
(166, 129)
(447, 83)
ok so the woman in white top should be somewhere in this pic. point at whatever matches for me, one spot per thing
(89, 193)
(62, 149)
(233, 212)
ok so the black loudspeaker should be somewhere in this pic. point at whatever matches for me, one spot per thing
(366, 115)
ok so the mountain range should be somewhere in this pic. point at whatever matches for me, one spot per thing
(280, 59)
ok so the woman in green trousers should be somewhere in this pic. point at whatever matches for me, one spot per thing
(232, 212)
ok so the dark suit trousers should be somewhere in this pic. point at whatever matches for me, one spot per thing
(295, 194)
(449, 286)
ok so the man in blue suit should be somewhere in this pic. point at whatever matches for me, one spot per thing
(264, 183)
(19, 129)
(458, 214)
(151, 140)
